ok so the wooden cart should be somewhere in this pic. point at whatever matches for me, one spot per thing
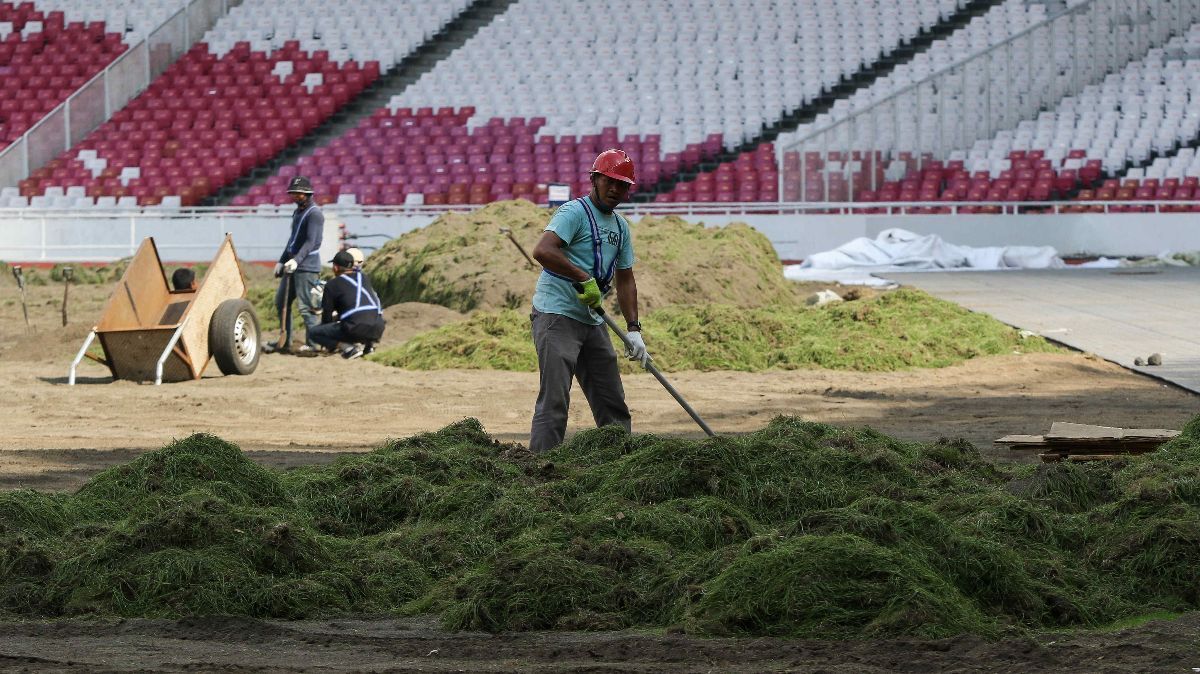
(150, 332)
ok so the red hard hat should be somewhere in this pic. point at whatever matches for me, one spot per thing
(615, 164)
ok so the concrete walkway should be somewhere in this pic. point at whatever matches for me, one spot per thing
(1117, 314)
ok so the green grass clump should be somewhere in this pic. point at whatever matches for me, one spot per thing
(796, 530)
(893, 331)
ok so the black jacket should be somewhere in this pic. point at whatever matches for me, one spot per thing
(358, 307)
(304, 244)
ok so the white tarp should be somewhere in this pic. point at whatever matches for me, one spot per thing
(901, 250)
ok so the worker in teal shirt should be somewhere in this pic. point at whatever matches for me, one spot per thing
(586, 243)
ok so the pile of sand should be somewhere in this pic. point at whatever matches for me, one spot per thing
(463, 261)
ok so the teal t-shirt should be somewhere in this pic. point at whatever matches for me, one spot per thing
(570, 222)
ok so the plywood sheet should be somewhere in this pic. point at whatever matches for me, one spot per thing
(1061, 430)
(133, 355)
(223, 280)
(140, 296)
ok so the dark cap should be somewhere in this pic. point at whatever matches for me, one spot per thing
(300, 184)
(343, 259)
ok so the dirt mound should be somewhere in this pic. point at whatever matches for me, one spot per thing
(893, 331)
(798, 530)
(462, 261)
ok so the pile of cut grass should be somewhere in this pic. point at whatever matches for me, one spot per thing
(893, 331)
(462, 261)
(799, 530)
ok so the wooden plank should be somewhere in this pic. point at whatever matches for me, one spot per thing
(1020, 440)
(1064, 431)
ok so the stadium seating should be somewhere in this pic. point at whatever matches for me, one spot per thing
(133, 20)
(684, 69)
(205, 122)
(993, 27)
(655, 69)
(44, 58)
(1142, 110)
(1040, 159)
(383, 31)
(266, 74)
(433, 153)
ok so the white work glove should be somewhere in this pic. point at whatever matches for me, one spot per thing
(278, 269)
(636, 348)
(290, 266)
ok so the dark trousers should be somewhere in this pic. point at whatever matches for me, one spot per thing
(568, 349)
(329, 335)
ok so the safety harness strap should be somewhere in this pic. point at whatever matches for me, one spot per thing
(363, 299)
(603, 276)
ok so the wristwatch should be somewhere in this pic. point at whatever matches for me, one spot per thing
(633, 326)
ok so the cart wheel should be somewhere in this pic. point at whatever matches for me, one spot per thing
(233, 337)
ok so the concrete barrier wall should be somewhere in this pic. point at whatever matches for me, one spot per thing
(26, 236)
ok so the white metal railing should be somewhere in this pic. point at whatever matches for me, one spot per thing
(982, 94)
(102, 96)
(49, 236)
(223, 213)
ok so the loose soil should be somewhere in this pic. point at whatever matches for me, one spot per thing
(295, 411)
(237, 644)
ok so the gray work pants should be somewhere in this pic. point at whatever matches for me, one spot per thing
(569, 349)
(300, 288)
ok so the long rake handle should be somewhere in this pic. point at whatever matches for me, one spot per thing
(658, 375)
(650, 366)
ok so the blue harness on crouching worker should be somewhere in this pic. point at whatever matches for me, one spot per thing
(363, 299)
(603, 276)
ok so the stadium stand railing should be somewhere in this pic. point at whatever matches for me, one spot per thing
(910, 145)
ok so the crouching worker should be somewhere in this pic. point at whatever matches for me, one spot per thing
(359, 319)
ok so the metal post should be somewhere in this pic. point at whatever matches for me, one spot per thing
(1007, 84)
(79, 356)
(987, 98)
(158, 368)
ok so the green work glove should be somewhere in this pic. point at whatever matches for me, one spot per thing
(591, 294)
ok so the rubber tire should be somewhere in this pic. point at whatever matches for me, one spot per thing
(223, 342)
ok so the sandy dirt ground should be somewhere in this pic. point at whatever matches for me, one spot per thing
(296, 411)
(241, 645)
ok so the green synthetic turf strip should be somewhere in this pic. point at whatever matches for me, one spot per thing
(893, 331)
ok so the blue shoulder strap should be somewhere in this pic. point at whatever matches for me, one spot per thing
(603, 276)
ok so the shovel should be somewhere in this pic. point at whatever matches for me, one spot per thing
(68, 273)
(287, 314)
(20, 276)
(650, 367)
